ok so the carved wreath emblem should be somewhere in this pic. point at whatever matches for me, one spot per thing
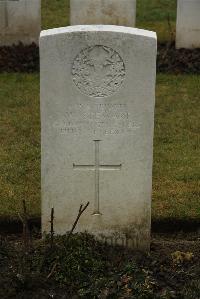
(98, 71)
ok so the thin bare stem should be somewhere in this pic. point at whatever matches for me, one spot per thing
(170, 28)
(52, 270)
(26, 230)
(80, 212)
(52, 227)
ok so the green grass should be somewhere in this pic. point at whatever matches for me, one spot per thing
(176, 188)
(55, 13)
(20, 143)
(151, 15)
(176, 175)
(158, 16)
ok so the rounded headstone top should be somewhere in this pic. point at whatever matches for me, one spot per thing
(102, 28)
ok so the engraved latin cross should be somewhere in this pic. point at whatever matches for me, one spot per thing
(97, 167)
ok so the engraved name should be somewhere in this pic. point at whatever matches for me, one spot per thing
(103, 119)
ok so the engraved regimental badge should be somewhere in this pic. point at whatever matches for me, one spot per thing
(98, 71)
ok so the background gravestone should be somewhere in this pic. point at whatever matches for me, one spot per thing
(20, 21)
(188, 24)
(97, 116)
(107, 12)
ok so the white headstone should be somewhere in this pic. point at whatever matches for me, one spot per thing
(97, 116)
(20, 21)
(105, 12)
(188, 24)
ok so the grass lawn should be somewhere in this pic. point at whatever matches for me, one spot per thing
(176, 175)
(176, 172)
(151, 15)
(158, 16)
(20, 143)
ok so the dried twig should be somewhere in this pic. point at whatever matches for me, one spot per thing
(52, 270)
(26, 230)
(80, 212)
(170, 28)
(52, 227)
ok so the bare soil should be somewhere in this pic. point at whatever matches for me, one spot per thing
(88, 269)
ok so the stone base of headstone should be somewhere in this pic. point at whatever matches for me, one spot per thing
(105, 12)
(188, 24)
(20, 21)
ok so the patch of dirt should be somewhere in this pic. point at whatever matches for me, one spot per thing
(84, 268)
(172, 60)
(20, 58)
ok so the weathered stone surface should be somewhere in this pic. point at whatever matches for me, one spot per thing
(105, 12)
(97, 116)
(188, 24)
(20, 21)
